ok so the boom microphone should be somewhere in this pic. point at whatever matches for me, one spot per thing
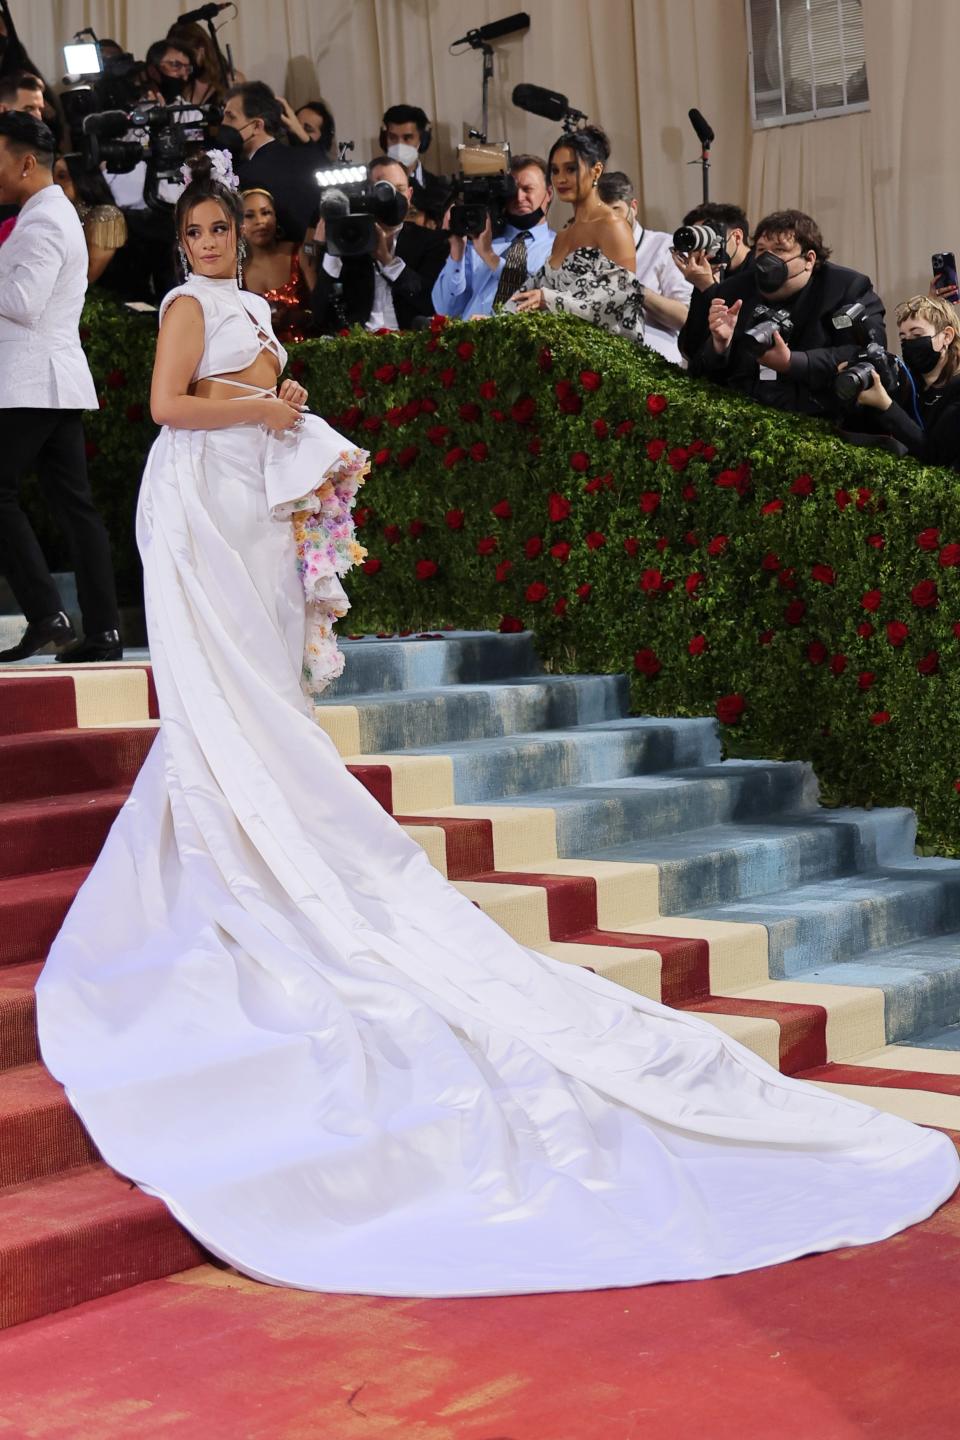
(493, 31)
(548, 103)
(704, 133)
(203, 12)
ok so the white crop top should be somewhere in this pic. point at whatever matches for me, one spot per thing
(236, 325)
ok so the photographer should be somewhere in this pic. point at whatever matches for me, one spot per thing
(405, 135)
(252, 123)
(771, 331)
(486, 269)
(390, 288)
(929, 331)
(704, 272)
(666, 293)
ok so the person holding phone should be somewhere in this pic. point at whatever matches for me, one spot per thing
(944, 284)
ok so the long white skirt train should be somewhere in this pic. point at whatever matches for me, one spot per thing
(270, 1010)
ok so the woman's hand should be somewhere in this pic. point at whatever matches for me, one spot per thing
(293, 393)
(276, 414)
(874, 396)
(529, 300)
(290, 121)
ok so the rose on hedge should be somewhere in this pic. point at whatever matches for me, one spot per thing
(647, 662)
(730, 709)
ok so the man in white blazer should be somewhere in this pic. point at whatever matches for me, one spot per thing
(45, 384)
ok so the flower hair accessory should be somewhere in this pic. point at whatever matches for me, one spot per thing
(221, 169)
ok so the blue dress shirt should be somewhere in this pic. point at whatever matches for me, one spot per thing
(468, 287)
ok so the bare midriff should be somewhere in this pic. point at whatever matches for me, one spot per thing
(262, 374)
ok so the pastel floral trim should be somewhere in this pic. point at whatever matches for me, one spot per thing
(326, 551)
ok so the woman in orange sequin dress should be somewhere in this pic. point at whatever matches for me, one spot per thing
(272, 268)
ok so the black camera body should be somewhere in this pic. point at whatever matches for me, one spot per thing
(352, 212)
(765, 323)
(478, 196)
(873, 356)
(165, 140)
(691, 238)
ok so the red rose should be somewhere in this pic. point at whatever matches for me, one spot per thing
(533, 547)
(502, 510)
(406, 456)
(428, 405)
(770, 561)
(624, 428)
(590, 380)
(523, 410)
(897, 632)
(534, 446)
(697, 645)
(502, 571)
(510, 625)
(823, 574)
(649, 501)
(465, 349)
(373, 423)
(454, 519)
(689, 492)
(692, 583)
(772, 507)
(802, 486)
(415, 529)
(396, 416)
(447, 377)
(863, 498)
(478, 452)
(382, 457)
(405, 367)
(362, 516)
(678, 458)
(730, 708)
(924, 595)
(355, 371)
(651, 581)
(663, 543)
(929, 664)
(537, 592)
(631, 545)
(545, 359)
(655, 449)
(794, 612)
(656, 404)
(580, 461)
(436, 434)
(583, 591)
(929, 539)
(560, 606)
(876, 541)
(437, 322)
(880, 717)
(787, 579)
(561, 551)
(717, 545)
(601, 429)
(647, 662)
(391, 533)
(487, 545)
(872, 599)
(950, 555)
(570, 403)
(558, 507)
(488, 390)
(956, 627)
(595, 540)
(865, 679)
(765, 637)
(843, 498)
(454, 456)
(838, 663)
(865, 630)
(116, 379)
(426, 569)
(816, 652)
(385, 373)
(470, 412)
(372, 566)
(134, 412)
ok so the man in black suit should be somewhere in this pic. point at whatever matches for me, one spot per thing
(791, 271)
(405, 135)
(704, 274)
(390, 288)
(253, 119)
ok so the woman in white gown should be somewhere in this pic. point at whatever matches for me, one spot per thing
(270, 1010)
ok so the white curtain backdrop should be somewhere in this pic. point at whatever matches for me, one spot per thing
(881, 184)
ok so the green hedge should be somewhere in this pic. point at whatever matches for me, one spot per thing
(537, 472)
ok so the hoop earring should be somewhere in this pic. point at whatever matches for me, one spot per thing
(184, 262)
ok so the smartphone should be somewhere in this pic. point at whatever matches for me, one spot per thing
(945, 275)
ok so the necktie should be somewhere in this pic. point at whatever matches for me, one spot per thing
(514, 270)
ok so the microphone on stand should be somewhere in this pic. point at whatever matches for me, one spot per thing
(203, 12)
(548, 103)
(493, 31)
(705, 136)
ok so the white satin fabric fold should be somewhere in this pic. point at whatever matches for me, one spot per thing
(270, 1010)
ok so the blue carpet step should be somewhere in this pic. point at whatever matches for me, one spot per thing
(456, 657)
(945, 1037)
(921, 985)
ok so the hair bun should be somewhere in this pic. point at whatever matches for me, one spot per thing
(200, 169)
(599, 140)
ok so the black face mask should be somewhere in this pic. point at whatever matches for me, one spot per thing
(170, 88)
(919, 354)
(229, 138)
(771, 272)
(527, 222)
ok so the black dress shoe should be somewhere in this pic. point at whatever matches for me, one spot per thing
(49, 634)
(104, 645)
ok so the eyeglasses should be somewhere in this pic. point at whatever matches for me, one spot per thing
(176, 67)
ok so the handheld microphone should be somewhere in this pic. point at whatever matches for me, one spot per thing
(203, 12)
(548, 103)
(704, 132)
(493, 31)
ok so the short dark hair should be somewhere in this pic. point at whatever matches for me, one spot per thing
(380, 160)
(159, 48)
(18, 80)
(805, 230)
(530, 162)
(28, 136)
(259, 103)
(329, 126)
(615, 185)
(715, 213)
(406, 115)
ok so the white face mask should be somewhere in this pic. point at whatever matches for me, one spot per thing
(408, 155)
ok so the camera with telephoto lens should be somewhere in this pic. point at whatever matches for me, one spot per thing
(165, 136)
(873, 356)
(352, 212)
(765, 324)
(477, 197)
(690, 238)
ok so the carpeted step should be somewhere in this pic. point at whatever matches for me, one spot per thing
(59, 762)
(81, 1234)
(62, 830)
(48, 696)
(467, 657)
(920, 980)
(40, 1133)
(32, 908)
(18, 1014)
(946, 1037)
(369, 724)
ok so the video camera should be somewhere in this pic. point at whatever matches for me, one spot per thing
(765, 322)
(483, 188)
(873, 356)
(165, 136)
(352, 209)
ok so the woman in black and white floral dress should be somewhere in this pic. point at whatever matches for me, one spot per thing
(592, 269)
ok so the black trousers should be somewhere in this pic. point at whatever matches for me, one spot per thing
(51, 443)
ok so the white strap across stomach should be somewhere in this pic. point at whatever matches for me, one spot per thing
(242, 385)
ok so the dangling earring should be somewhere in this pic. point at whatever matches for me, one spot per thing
(184, 262)
(241, 256)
